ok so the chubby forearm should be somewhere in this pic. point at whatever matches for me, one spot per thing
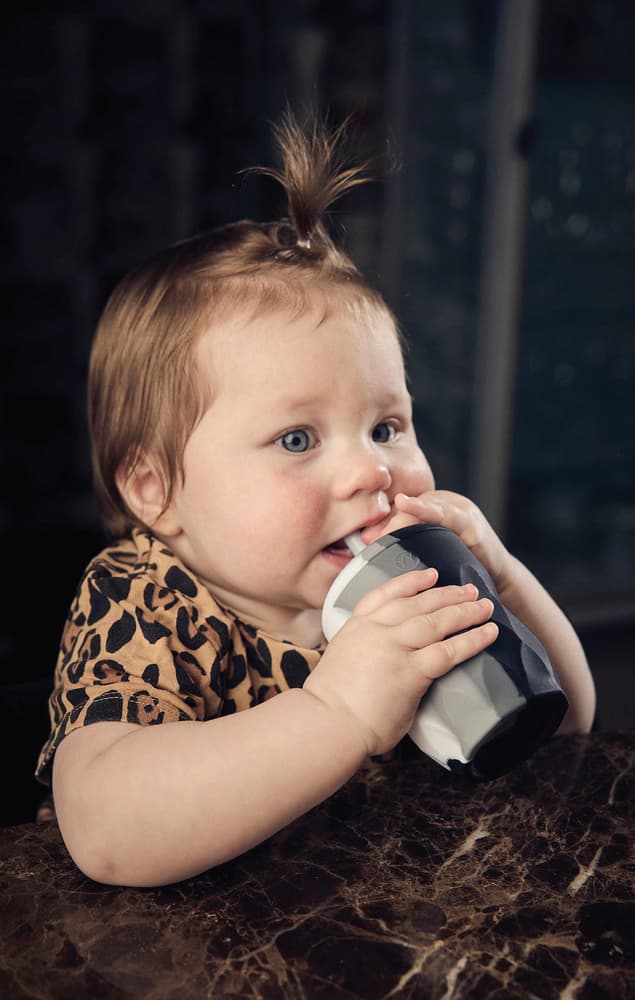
(153, 805)
(527, 599)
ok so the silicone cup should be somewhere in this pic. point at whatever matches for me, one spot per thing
(495, 709)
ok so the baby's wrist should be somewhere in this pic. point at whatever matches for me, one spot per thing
(345, 728)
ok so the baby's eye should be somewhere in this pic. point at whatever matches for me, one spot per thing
(384, 432)
(296, 441)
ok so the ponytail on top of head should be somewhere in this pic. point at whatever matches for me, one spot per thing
(314, 173)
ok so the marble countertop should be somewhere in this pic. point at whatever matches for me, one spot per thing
(403, 884)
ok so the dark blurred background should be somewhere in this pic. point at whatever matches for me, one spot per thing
(503, 228)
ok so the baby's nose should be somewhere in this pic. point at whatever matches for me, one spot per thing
(363, 471)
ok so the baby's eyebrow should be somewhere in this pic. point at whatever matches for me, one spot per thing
(292, 402)
(289, 403)
(389, 399)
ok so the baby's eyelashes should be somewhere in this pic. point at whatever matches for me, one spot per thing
(297, 441)
(385, 431)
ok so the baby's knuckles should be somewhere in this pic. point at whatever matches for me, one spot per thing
(411, 584)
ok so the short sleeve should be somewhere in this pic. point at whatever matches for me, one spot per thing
(136, 648)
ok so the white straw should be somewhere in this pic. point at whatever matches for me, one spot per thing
(354, 542)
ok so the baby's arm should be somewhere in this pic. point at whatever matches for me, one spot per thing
(518, 589)
(156, 804)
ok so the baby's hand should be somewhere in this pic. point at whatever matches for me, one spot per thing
(455, 512)
(400, 638)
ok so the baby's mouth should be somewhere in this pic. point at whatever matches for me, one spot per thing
(338, 548)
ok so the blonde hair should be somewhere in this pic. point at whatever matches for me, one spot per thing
(144, 393)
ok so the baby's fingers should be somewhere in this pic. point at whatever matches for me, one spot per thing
(440, 657)
(424, 602)
(405, 585)
(428, 629)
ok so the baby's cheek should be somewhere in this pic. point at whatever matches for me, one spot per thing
(416, 477)
(304, 509)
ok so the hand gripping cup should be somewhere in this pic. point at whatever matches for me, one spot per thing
(493, 710)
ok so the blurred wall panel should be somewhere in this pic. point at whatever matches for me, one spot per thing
(572, 473)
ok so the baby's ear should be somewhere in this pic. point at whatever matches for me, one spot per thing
(143, 490)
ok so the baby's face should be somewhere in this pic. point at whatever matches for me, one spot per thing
(309, 437)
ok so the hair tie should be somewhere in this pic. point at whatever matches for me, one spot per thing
(285, 235)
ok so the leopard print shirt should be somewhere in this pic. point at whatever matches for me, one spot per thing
(145, 642)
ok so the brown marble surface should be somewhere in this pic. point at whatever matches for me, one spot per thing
(403, 884)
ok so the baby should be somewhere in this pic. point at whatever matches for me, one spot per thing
(248, 410)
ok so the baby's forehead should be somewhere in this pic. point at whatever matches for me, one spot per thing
(297, 335)
(272, 305)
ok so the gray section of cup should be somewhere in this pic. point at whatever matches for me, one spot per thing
(464, 706)
(384, 560)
